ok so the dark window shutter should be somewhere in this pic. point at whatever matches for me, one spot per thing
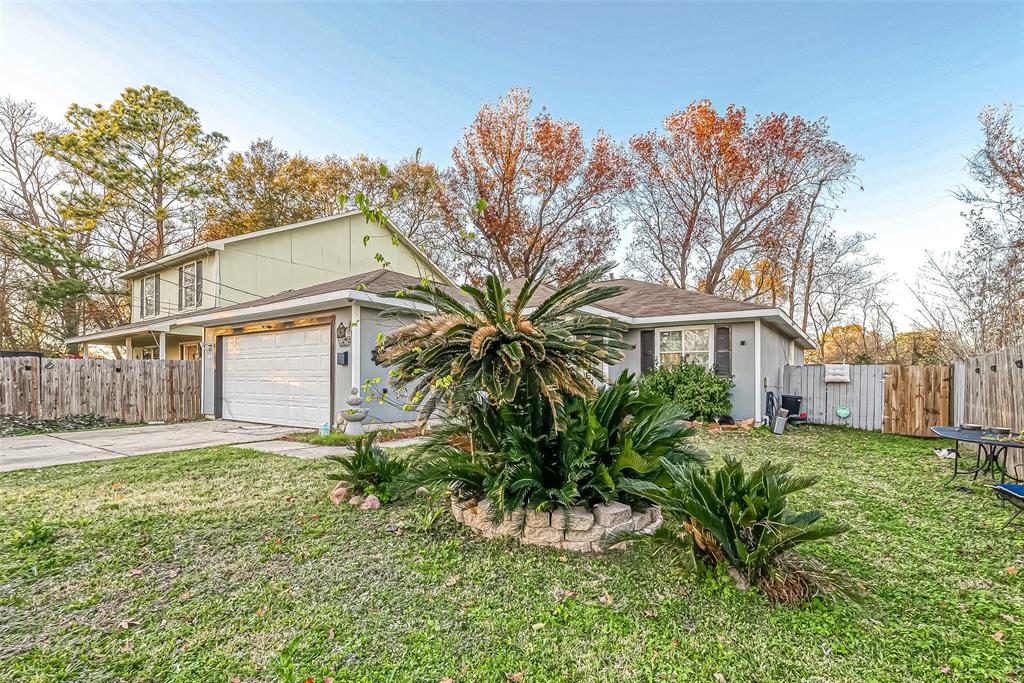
(646, 351)
(199, 283)
(723, 350)
(181, 288)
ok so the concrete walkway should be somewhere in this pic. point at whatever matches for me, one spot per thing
(43, 450)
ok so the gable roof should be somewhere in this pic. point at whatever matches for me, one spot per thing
(218, 245)
(649, 303)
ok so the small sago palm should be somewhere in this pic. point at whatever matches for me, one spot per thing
(745, 520)
(493, 343)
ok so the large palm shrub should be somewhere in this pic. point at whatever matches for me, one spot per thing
(582, 454)
(743, 520)
(486, 340)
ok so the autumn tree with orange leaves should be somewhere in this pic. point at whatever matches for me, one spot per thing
(526, 188)
(736, 206)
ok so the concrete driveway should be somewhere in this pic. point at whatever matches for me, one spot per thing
(23, 452)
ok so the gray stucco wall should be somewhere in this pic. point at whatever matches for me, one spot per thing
(631, 359)
(372, 323)
(774, 356)
(744, 380)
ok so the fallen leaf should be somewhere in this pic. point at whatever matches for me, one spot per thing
(650, 614)
(261, 611)
(997, 636)
(563, 558)
(538, 626)
(1010, 618)
(236, 679)
(719, 677)
(188, 619)
(562, 594)
(675, 643)
(328, 679)
(606, 599)
(514, 678)
(128, 623)
(315, 518)
(452, 580)
(309, 680)
(944, 669)
(134, 571)
(187, 595)
(1013, 571)
(128, 645)
(446, 679)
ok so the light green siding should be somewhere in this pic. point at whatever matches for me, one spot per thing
(267, 264)
(300, 257)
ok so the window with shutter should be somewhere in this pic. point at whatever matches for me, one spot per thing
(646, 351)
(723, 350)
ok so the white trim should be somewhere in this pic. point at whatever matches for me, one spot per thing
(355, 348)
(711, 343)
(162, 343)
(314, 302)
(758, 381)
(170, 261)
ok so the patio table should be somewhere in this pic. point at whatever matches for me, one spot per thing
(990, 446)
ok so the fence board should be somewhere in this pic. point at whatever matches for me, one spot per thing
(133, 391)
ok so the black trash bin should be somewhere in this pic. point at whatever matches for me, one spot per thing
(792, 404)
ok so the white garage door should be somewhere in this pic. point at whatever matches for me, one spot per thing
(278, 377)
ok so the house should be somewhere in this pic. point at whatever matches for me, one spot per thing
(285, 322)
(168, 291)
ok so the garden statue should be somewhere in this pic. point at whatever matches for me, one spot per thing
(355, 415)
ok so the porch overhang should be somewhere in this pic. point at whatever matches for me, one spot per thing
(302, 305)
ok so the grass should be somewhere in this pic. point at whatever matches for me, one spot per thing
(220, 563)
(19, 425)
(335, 438)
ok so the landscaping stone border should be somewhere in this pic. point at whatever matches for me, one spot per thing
(578, 529)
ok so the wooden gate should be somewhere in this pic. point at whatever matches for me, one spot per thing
(916, 398)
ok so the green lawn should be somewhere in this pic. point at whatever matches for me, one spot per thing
(213, 564)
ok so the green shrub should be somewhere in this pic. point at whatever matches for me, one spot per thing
(519, 458)
(693, 386)
(369, 470)
(36, 533)
(744, 521)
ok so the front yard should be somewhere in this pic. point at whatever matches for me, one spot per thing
(226, 564)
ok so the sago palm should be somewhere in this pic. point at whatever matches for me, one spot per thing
(493, 343)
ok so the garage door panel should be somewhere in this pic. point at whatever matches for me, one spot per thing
(280, 377)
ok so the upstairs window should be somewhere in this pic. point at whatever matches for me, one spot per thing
(190, 285)
(150, 296)
(685, 345)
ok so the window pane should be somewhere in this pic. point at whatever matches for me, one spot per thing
(188, 283)
(696, 340)
(669, 360)
(671, 341)
(699, 357)
(149, 296)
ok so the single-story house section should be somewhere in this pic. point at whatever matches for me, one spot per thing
(294, 357)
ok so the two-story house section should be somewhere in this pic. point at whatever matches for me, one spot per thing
(234, 270)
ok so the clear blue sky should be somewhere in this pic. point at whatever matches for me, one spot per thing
(901, 83)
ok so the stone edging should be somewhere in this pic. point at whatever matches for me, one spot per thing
(577, 528)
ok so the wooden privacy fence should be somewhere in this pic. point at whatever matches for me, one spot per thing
(989, 389)
(129, 390)
(916, 399)
(862, 395)
(896, 399)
